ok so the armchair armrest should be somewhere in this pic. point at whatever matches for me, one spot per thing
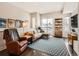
(14, 44)
(23, 38)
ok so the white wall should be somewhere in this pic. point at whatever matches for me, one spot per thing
(76, 44)
(72, 8)
(9, 11)
(66, 26)
(78, 28)
(38, 19)
(35, 18)
(51, 15)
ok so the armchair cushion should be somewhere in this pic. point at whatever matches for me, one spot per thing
(22, 43)
(28, 33)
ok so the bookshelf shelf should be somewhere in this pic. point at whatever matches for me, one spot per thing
(58, 27)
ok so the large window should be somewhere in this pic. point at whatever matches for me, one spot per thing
(44, 23)
(47, 24)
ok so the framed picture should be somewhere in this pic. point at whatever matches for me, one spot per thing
(25, 23)
(11, 23)
(18, 24)
(2, 23)
(21, 23)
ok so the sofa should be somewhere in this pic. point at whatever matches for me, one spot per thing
(35, 35)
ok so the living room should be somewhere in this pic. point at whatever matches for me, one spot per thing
(39, 20)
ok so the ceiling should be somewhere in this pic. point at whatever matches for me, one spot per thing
(44, 7)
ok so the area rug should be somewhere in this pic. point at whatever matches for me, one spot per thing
(53, 46)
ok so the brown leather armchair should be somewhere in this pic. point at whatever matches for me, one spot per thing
(15, 44)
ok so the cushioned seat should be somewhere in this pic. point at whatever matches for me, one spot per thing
(15, 44)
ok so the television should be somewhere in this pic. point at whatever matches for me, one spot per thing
(74, 21)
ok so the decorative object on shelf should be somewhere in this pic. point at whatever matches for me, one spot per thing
(2, 23)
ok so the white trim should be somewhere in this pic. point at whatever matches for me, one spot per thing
(66, 43)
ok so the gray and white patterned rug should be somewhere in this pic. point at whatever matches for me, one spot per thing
(52, 46)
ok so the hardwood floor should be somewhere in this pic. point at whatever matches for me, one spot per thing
(27, 52)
